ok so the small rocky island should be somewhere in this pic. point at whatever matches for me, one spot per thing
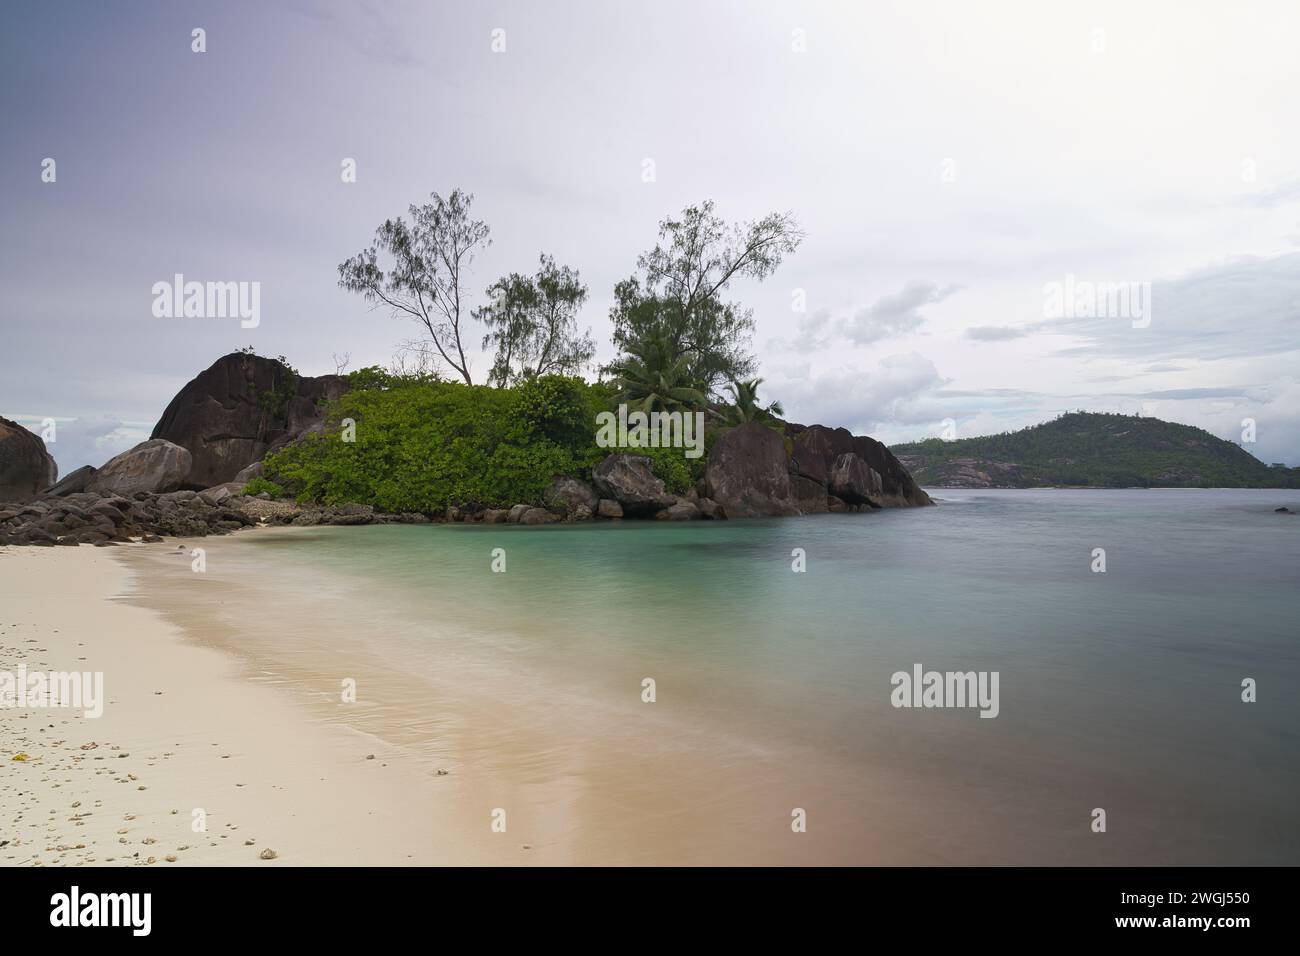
(189, 479)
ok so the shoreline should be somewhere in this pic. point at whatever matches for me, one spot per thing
(184, 729)
(255, 736)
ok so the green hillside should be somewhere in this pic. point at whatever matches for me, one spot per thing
(1087, 449)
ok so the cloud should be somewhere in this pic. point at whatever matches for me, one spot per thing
(1165, 367)
(996, 333)
(1282, 195)
(896, 390)
(895, 314)
(87, 441)
(813, 333)
(1247, 307)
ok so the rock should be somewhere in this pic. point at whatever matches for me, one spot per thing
(609, 508)
(26, 468)
(239, 409)
(248, 474)
(630, 480)
(808, 496)
(710, 509)
(267, 854)
(682, 511)
(215, 496)
(816, 448)
(854, 482)
(538, 516)
(581, 513)
(1284, 510)
(495, 516)
(835, 505)
(566, 494)
(73, 482)
(748, 473)
(154, 466)
(517, 512)
(348, 519)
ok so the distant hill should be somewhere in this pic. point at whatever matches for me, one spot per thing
(1092, 450)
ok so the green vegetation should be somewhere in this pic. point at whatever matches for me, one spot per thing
(259, 484)
(678, 296)
(533, 325)
(421, 444)
(1088, 449)
(744, 407)
(654, 377)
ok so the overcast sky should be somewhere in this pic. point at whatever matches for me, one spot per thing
(948, 161)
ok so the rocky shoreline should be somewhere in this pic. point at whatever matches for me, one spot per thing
(188, 480)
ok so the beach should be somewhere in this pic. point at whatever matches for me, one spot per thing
(184, 730)
(253, 676)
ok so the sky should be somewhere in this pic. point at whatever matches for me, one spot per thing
(954, 166)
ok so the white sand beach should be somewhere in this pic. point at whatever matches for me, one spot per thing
(183, 731)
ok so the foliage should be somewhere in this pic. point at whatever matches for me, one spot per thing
(653, 376)
(1089, 449)
(677, 472)
(426, 261)
(422, 445)
(744, 407)
(678, 296)
(532, 322)
(259, 484)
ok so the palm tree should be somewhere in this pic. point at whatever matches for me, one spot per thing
(653, 377)
(745, 408)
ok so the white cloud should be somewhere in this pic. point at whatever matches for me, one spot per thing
(896, 314)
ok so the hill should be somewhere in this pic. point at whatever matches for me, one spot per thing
(1093, 450)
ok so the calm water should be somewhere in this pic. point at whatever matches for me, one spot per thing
(1118, 690)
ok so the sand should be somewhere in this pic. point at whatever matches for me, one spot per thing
(184, 736)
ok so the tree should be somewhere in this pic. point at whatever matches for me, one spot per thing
(427, 258)
(745, 408)
(533, 324)
(679, 294)
(652, 376)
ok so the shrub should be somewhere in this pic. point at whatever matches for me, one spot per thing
(259, 484)
(421, 445)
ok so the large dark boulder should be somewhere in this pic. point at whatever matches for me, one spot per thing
(567, 495)
(816, 449)
(73, 482)
(810, 497)
(748, 473)
(238, 410)
(853, 481)
(26, 468)
(153, 466)
(629, 480)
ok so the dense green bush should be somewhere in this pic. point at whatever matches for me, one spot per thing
(422, 444)
(259, 484)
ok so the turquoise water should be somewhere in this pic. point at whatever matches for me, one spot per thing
(1119, 690)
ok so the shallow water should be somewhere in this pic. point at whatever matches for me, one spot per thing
(1118, 690)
